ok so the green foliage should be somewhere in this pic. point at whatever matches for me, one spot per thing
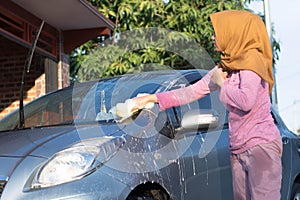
(137, 50)
(77, 57)
(187, 22)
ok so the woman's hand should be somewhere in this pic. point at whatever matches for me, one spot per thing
(219, 77)
(129, 106)
(144, 101)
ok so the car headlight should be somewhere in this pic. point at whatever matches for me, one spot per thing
(77, 161)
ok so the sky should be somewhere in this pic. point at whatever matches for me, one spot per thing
(285, 16)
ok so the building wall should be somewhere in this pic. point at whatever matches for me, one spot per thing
(64, 71)
(12, 61)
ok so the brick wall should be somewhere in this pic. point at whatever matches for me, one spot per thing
(65, 70)
(12, 60)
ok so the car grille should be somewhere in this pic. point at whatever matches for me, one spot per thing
(3, 182)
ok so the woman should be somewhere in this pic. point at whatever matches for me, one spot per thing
(244, 78)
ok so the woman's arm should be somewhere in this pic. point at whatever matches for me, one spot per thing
(179, 96)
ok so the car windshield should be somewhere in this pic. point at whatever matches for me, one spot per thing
(84, 102)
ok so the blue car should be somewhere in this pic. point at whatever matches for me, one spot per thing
(73, 147)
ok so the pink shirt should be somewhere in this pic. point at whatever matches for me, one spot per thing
(245, 95)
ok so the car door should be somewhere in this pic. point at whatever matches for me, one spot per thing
(204, 167)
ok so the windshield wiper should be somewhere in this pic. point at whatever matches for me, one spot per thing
(26, 69)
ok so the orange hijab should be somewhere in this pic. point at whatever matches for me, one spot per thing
(244, 42)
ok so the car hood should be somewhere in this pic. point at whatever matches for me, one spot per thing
(44, 142)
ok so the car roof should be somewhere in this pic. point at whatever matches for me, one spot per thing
(159, 75)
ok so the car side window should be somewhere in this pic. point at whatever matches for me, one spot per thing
(210, 101)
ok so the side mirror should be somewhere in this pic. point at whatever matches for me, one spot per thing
(200, 119)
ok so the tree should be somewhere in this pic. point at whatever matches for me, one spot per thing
(186, 20)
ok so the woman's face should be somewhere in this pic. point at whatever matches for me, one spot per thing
(217, 48)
